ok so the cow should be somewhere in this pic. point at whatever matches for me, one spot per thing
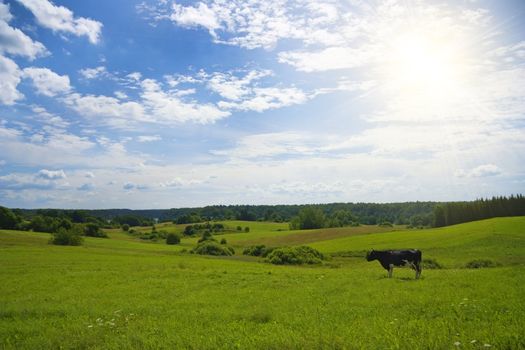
(390, 258)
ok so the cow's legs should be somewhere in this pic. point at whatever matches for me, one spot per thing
(390, 270)
(418, 270)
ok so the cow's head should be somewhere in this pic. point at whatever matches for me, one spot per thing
(371, 255)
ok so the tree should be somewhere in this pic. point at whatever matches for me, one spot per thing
(439, 216)
(65, 237)
(93, 230)
(8, 220)
(172, 238)
(310, 218)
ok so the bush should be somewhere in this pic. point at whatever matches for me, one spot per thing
(258, 250)
(213, 248)
(65, 237)
(246, 229)
(206, 236)
(431, 264)
(172, 238)
(189, 230)
(93, 230)
(481, 263)
(125, 227)
(239, 228)
(295, 256)
(223, 241)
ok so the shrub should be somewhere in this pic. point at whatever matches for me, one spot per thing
(213, 248)
(480, 263)
(246, 229)
(431, 264)
(65, 237)
(258, 250)
(172, 238)
(295, 256)
(93, 230)
(206, 236)
(239, 228)
(189, 230)
(125, 227)
(385, 224)
(223, 241)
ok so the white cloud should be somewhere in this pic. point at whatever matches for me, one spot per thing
(258, 23)
(86, 187)
(121, 95)
(9, 79)
(61, 19)
(484, 170)
(47, 82)
(232, 87)
(93, 73)
(109, 109)
(51, 174)
(49, 118)
(13, 41)
(167, 107)
(179, 182)
(201, 15)
(89, 175)
(129, 186)
(148, 138)
(330, 58)
(263, 99)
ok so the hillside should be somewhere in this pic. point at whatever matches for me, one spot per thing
(122, 292)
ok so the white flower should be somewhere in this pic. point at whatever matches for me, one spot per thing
(457, 343)
(487, 345)
(473, 341)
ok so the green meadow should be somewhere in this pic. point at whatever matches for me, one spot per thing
(124, 293)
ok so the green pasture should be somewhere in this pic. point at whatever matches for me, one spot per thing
(123, 293)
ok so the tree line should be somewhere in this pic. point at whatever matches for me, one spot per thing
(413, 214)
(458, 212)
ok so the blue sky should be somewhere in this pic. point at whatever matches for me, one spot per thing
(159, 104)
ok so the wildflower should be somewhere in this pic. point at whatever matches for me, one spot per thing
(90, 326)
(487, 345)
(473, 341)
(457, 343)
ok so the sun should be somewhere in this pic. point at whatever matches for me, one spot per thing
(423, 70)
(424, 63)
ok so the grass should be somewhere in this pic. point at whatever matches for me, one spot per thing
(120, 293)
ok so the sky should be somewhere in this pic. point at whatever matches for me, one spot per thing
(163, 104)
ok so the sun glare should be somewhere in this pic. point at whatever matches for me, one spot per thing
(423, 70)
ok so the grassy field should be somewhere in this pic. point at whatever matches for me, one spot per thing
(122, 293)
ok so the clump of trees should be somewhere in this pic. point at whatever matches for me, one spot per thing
(295, 256)
(189, 219)
(458, 212)
(196, 229)
(313, 217)
(8, 219)
(212, 247)
(66, 237)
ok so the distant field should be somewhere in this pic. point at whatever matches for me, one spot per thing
(124, 293)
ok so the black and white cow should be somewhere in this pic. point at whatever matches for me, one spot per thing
(390, 258)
